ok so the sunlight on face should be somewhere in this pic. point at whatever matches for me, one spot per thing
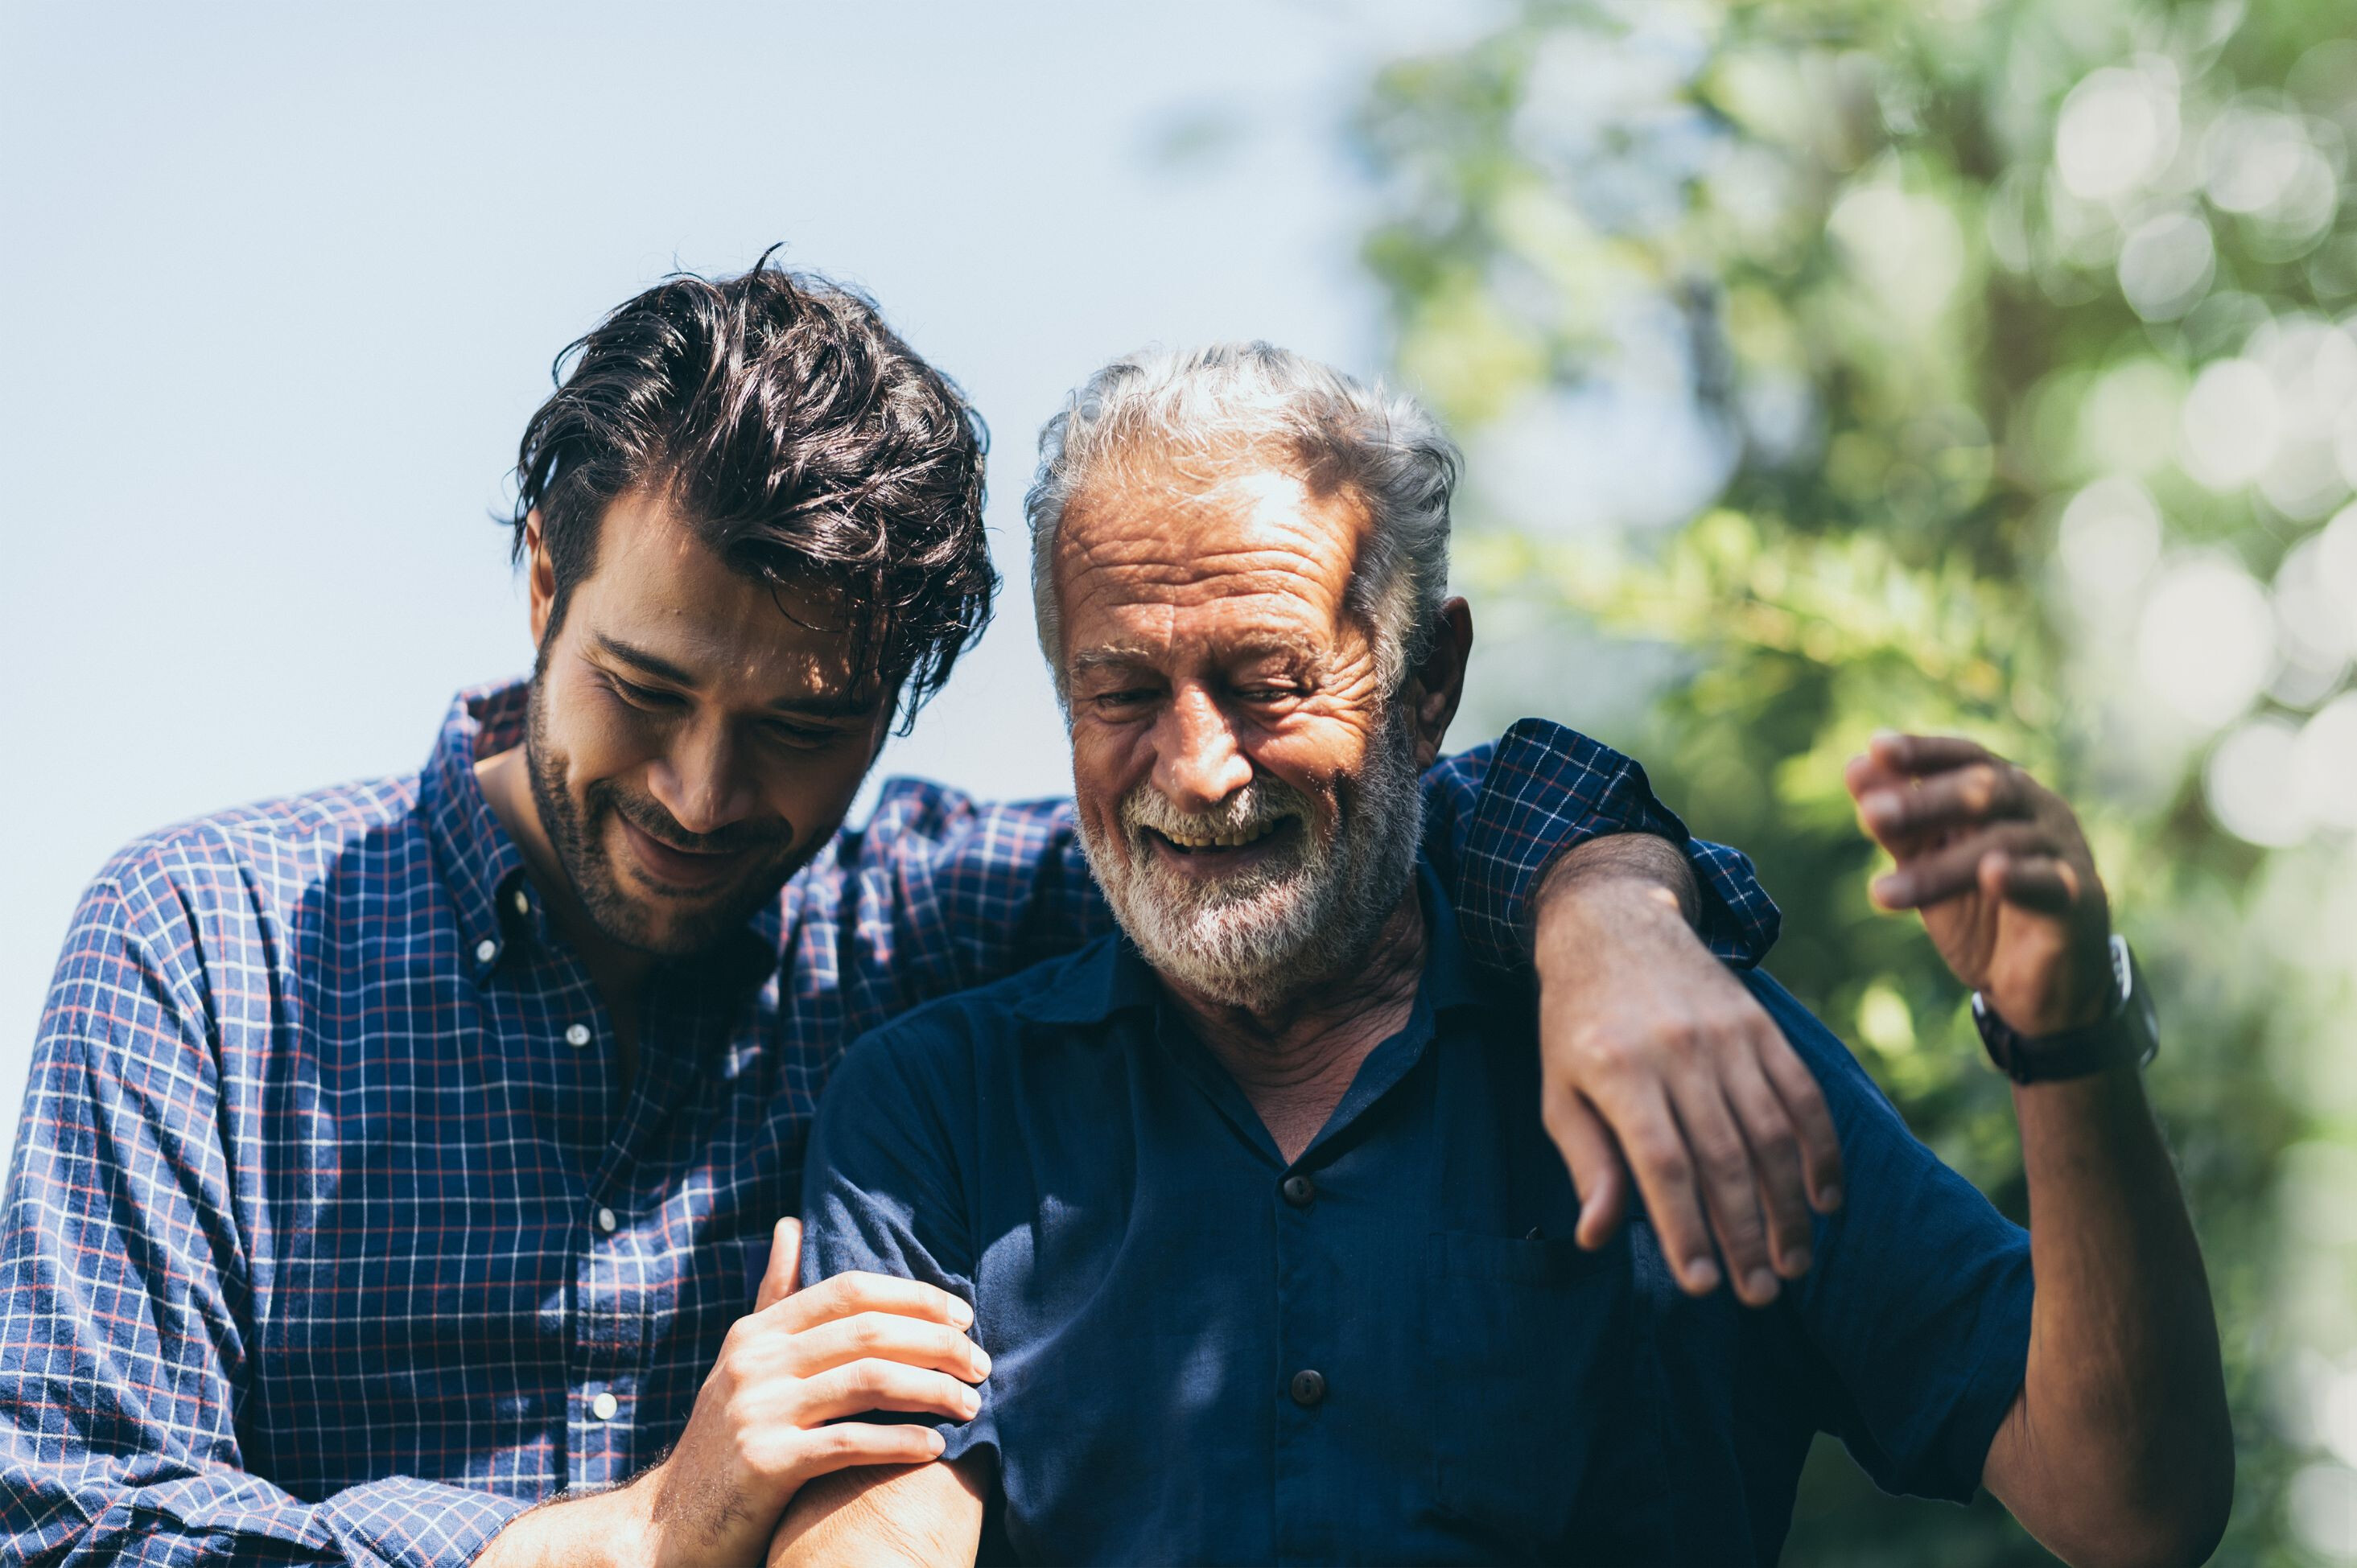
(1247, 797)
(697, 734)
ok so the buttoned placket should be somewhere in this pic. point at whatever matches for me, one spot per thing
(603, 1328)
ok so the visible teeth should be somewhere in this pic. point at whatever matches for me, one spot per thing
(1235, 838)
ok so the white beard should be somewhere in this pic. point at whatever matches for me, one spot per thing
(1302, 916)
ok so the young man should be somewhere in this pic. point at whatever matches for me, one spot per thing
(399, 1156)
(1271, 1257)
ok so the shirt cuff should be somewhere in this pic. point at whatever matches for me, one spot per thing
(411, 1523)
(1550, 787)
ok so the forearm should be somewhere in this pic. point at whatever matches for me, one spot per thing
(603, 1530)
(2119, 1446)
(1639, 867)
(914, 1516)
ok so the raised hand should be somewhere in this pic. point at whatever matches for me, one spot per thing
(1996, 865)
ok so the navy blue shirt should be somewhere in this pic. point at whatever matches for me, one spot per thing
(1390, 1350)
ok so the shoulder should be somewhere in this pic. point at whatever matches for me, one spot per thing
(1846, 1085)
(971, 1027)
(270, 850)
(917, 812)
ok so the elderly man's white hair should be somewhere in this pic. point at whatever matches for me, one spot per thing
(1193, 411)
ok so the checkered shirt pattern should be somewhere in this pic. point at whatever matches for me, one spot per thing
(332, 1234)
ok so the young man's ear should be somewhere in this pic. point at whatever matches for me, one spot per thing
(540, 573)
(1438, 684)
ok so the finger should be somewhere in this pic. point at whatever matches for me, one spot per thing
(1962, 800)
(1918, 755)
(888, 1336)
(2045, 883)
(859, 1291)
(840, 1444)
(1664, 1172)
(1805, 1102)
(1782, 1192)
(1940, 875)
(785, 1263)
(1594, 1160)
(873, 1384)
(1729, 1192)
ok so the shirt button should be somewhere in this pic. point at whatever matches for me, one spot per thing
(1308, 1388)
(577, 1036)
(522, 903)
(1299, 1191)
(486, 950)
(604, 1406)
(606, 1221)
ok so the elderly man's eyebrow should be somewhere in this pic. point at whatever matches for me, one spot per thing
(1110, 656)
(1304, 651)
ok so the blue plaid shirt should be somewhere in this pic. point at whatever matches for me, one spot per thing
(332, 1234)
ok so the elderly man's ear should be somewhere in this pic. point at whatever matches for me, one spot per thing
(1438, 684)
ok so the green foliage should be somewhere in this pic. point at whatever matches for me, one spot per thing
(1834, 366)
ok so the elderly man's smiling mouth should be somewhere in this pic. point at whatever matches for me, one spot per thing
(1220, 852)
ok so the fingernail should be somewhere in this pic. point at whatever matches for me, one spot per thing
(1702, 1275)
(1829, 1199)
(1796, 1262)
(973, 1402)
(981, 1362)
(937, 1441)
(1886, 889)
(960, 1313)
(1881, 809)
(1762, 1285)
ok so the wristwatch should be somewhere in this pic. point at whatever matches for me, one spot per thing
(2129, 1032)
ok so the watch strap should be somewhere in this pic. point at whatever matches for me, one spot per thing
(2124, 1036)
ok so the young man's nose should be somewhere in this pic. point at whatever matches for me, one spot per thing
(1198, 762)
(702, 782)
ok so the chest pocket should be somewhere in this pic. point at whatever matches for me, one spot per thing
(1546, 1423)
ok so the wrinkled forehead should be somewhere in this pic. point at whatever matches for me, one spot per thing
(1177, 541)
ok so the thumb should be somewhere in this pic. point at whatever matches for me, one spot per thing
(785, 1263)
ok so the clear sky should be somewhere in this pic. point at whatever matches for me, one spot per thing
(283, 282)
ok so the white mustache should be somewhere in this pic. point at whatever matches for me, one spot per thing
(1258, 810)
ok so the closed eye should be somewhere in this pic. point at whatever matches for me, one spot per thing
(648, 697)
(805, 736)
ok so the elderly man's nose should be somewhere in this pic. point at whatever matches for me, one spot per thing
(1197, 762)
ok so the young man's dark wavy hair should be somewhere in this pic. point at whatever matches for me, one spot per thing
(806, 443)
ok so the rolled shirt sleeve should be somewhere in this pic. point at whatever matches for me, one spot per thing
(1500, 814)
(121, 1292)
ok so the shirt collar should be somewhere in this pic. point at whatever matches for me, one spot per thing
(1111, 976)
(482, 866)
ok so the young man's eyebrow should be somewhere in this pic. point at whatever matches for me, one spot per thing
(821, 705)
(830, 706)
(652, 664)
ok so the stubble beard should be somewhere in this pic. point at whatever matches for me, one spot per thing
(1301, 918)
(576, 830)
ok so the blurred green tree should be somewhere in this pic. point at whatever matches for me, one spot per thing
(1971, 366)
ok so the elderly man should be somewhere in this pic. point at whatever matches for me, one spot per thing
(1267, 1248)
